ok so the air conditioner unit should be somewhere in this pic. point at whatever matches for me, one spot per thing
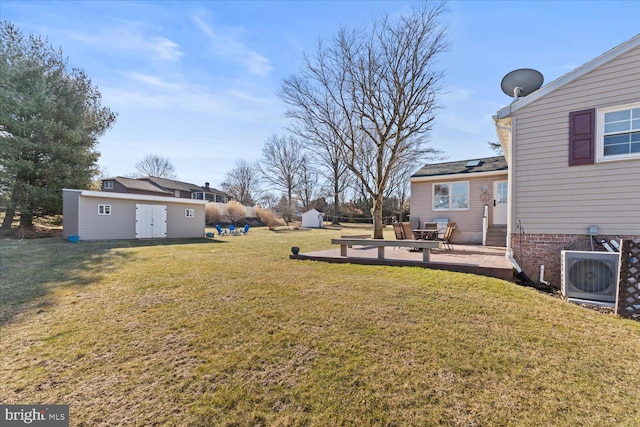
(591, 276)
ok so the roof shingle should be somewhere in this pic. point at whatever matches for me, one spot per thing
(487, 164)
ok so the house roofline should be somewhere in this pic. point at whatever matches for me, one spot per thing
(460, 176)
(570, 76)
(132, 196)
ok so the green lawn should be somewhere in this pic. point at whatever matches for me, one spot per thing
(233, 332)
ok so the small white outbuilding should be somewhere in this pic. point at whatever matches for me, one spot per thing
(312, 219)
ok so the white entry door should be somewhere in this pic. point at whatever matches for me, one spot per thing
(500, 196)
(151, 221)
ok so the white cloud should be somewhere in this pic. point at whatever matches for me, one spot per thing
(453, 93)
(227, 43)
(152, 81)
(129, 38)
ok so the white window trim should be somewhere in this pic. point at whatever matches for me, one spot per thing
(600, 157)
(104, 209)
(189, 213)
(108, 185)
(449, 183)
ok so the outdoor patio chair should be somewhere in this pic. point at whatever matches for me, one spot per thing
(232, 229)
(446, 239)
(415, 222)
(397, 228)
(245, 230)
(221, 232)
(408, 230)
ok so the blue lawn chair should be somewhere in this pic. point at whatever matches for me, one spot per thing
(246, 229)
(221, 232)
(232, 229)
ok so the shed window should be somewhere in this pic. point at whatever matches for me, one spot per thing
(104, 209)
(619, 132)
(189, 213)
(451, 196)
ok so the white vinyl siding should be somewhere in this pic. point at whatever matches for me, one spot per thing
(551, 197)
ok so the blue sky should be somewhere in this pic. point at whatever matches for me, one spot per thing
(195, 81)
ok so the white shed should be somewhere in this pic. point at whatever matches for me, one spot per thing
(312, 219)
(101, 215)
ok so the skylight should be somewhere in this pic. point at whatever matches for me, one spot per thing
(473, 163)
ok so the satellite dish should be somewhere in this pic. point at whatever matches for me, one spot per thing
(522, 82)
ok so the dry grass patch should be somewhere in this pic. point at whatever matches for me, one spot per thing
(232, 332)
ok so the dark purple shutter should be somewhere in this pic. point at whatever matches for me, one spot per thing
(582, 125)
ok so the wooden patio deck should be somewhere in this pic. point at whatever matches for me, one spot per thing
(483, 260)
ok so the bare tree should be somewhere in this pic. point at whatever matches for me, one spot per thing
(496, 146)
(376, 92)
(282, 159)
(400, 188)
(307, 182)
(153, 165)
(243, 182)
(327, 155)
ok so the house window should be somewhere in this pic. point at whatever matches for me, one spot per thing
(619, 132)
(108, 185)
(189, 213)
(451, 196)
(104, 209)
(177, 193)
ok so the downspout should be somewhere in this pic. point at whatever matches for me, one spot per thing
(509, 252)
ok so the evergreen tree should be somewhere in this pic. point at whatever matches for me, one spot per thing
(50, 118)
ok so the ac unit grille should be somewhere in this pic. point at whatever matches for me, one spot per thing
(590, 275)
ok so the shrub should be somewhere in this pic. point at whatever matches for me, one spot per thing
(236, 212)
(268, 217)
(212, 214)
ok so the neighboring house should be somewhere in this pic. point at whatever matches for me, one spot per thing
(164, 187)
(120, 184)
(177, 188)
(312, 219)
(573, 149)
(464, 192)
(211, 194)
(99, 215)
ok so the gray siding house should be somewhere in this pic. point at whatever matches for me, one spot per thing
(99, 215)
(573, 149)
(464, 192)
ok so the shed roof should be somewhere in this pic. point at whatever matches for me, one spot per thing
(487, 164)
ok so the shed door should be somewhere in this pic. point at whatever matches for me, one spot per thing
(151, 221)
(500, 193)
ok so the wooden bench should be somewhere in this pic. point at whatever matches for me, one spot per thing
(356, 236)
(425, 245)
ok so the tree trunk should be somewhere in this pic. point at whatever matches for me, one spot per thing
(26, 220)
(376, 214)
(8, 219)
(336, 202)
